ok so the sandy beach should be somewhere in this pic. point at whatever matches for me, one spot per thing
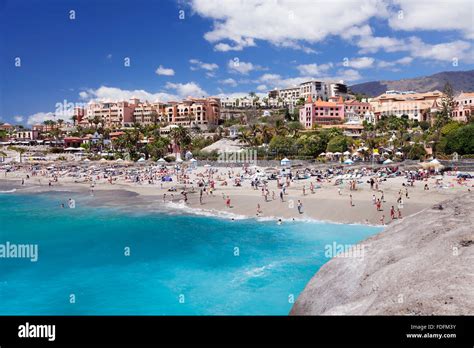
(325, 202)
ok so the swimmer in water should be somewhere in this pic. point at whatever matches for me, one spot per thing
(279, 222)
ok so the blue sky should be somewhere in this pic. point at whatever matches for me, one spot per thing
(221, 47)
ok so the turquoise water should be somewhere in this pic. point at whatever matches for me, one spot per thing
(178, 265)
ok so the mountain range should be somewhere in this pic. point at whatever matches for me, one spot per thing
(459, 80)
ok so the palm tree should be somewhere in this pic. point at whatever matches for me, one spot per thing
(266, 133)
(180, 136)
(246, 137)
(280, 127)
(95, 120)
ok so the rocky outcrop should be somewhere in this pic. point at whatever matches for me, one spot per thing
(421, 265)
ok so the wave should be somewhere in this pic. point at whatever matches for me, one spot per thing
(206, 212)
(8, 191)
(233, 216)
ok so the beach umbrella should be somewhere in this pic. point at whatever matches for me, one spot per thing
(141, 160)
(385, 154)
(348, 161)
(285, 162)
(322, 154)
(179, 160)
(329, 153)
(207, 166)
(161, 160)
(387, 161)
(87, 160)
(346, 153)
(337, 153)
(398, 153)
(102, 160)
(435, 162)
(119, 160)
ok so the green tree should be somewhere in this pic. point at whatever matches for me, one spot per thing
(310, 145)
(461, 140)
(415, 151)
(282, 146)
(338, 143)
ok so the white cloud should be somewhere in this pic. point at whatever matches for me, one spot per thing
(164, 71)
(313, 69)
(359, 62)
(277, 81)
(230, 82)
(284, 23)
(437, 15)
(461, 50)
(40, 117)
(197, 64)
(372, 44)
(239, 45)
(112, 94)
(445, 51)
(262, 88)
(394, 63)
(242, 67)
(18, 118)
(190, 89)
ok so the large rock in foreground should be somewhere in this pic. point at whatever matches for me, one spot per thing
(421, 265)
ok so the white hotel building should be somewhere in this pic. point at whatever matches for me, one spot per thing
(314, 89)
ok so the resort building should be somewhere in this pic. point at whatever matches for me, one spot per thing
(189, 112)
(193, 112)
(110, 114)
(358, 107)
(463, 107)
(415, 106)
(6, 127)
(26, 135)
(314, 89)
(146, 113)
(321, 112)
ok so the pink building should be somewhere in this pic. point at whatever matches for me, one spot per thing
(111, 114)
(463, 107)
(355, 106)
(321, 112)
(193, 112)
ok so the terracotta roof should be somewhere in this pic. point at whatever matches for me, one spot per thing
(319, 102)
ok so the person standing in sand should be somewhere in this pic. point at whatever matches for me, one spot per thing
(300, 207)
(379, 205)
(227, 202)
(350, 200)
(382, 220)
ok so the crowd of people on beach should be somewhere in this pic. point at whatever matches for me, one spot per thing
(179, 181)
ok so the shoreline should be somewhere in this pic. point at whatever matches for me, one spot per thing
(326, 205)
